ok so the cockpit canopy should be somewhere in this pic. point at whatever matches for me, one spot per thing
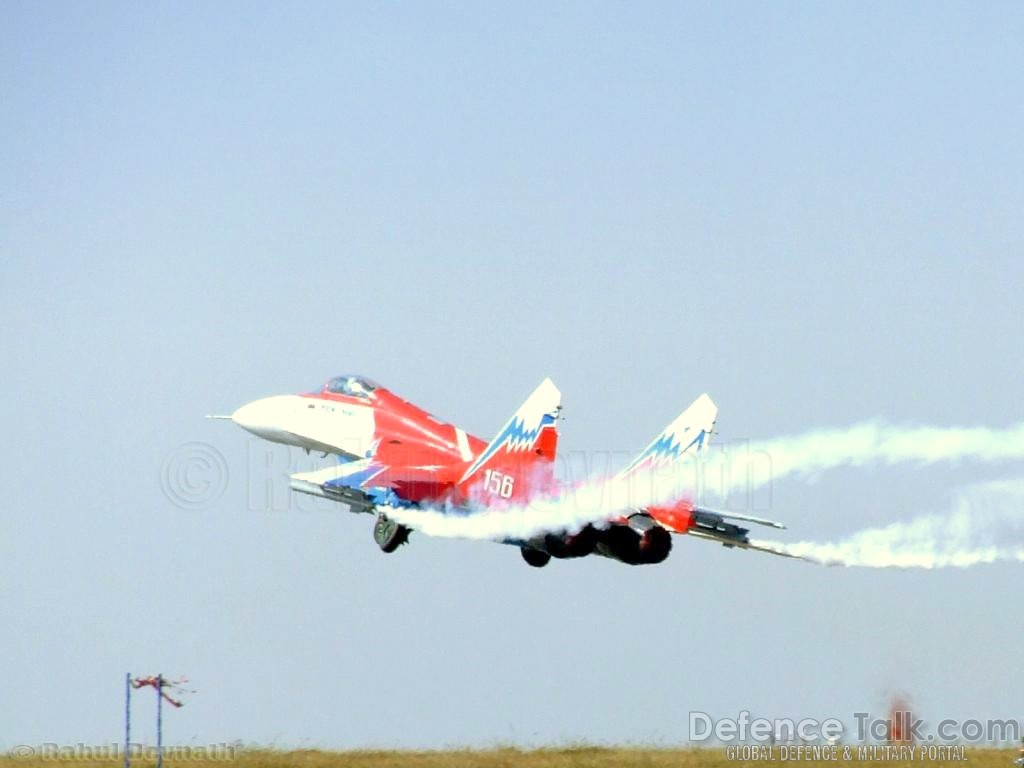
(352, 386)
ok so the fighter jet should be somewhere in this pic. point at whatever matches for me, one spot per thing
(392, 453)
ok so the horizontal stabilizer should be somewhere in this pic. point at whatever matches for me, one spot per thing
(757, 546)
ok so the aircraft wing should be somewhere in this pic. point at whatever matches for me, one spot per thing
(367, 483)
(717, 526)
(341, 482)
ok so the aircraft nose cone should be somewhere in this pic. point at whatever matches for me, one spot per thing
(272, 418)
(262, 417)
(248, 416)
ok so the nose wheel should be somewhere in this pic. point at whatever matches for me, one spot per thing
(389, 534)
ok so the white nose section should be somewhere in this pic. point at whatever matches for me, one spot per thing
(265, 417)
(309, 423)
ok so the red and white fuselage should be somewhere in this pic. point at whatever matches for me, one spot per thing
(393, 453)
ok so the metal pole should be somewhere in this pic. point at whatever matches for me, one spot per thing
(127, 718)
(159, 721)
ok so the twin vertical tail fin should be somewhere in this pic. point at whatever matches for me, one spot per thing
(519, 462)
(689, 433)
(660, 466)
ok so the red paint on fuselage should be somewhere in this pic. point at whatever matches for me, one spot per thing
(422, 458)
(407, 433)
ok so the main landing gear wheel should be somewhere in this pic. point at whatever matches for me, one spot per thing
(535, 557)
(388, 534)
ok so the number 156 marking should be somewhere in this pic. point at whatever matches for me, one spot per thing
(499, 483)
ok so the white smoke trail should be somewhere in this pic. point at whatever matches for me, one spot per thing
(985, 525)
(719, 472)
(875, 442)
(570, 511)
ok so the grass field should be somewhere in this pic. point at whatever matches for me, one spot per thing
(584, 757)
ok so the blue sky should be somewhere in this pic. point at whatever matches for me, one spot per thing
(810, 212)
